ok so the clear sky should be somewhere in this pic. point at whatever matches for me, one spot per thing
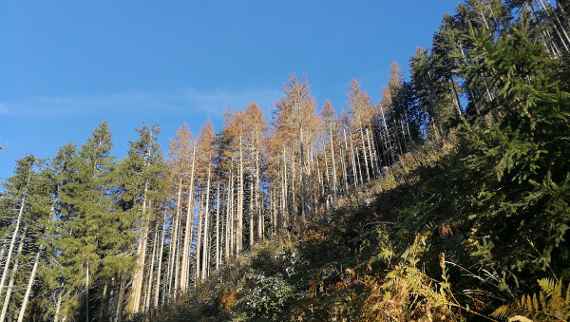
(66, 65)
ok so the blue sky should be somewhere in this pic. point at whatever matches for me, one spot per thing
(65, 65)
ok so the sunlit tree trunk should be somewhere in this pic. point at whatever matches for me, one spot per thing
(189, 226)
(11, 282)
(151, 272)
(218, 255)
(206, 226)
(199, 242)
(29, 288)
(12, 243)
(134, 299)
(240, 201)
(159, 270)
(352, 159)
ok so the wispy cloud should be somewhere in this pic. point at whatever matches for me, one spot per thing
(210, 103)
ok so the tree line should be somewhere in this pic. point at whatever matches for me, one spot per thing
(88, 237)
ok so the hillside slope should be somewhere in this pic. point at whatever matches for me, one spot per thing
(401, 249)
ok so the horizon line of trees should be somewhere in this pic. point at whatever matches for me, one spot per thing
(87, 237)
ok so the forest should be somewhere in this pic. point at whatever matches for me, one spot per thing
(447, 200)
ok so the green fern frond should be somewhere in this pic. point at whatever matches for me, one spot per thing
(548, 304)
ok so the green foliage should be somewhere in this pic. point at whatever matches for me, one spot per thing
(551, 303)
(265, 298)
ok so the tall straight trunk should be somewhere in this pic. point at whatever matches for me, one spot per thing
(176, 239)
(364, 152)
(371, 155)
(388, 141)
(260, 221)
(233, 220)
(358, 164)
(151, 272)
(57, 307)
(333, 162)
(199, 243)
(12, 243)
(189, 225)
(302, 184)
(292, 204)
(218, 257)
(272, 222)
(2, 253)
(119, 301)
(375, 148)
(327, 172)
(206, 226)
(87, 283)
(359, 178)
(159, 270)
(320, 179)
(343, 154)
(12, 278)
(352, 159)
(29, 288)
(251, 216)
(103, 307)
(239, 234)
(135, 296)
(229, 216)
(285, 193)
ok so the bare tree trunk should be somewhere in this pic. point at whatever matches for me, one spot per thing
(189, 226)
(176, 240)
(150, 274)
(134, 299)
(233, 219)
(229, 220)
(260, 221)
(251, 216)
(352, 159)
(364, 153)
(120, 301)
(206, 215)
(218, 256)
(370, 154)
(12, 278)
(29, 288)
(240, 202)
(12, 243)
(57, 307)
(159, 270)
(2, 253)
(199, 243)
(87, 282)
(333, 162)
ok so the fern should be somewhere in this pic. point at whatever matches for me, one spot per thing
(551, 303)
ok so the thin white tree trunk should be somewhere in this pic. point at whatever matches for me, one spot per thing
(218, 255)
(12, 244)
(334, 188)
(199, 243)
(189, 226)
(206, 215)
(240, 202)
(29, 288)
(159, 270)
(11, 283)
(151, 272)
(354, 174)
